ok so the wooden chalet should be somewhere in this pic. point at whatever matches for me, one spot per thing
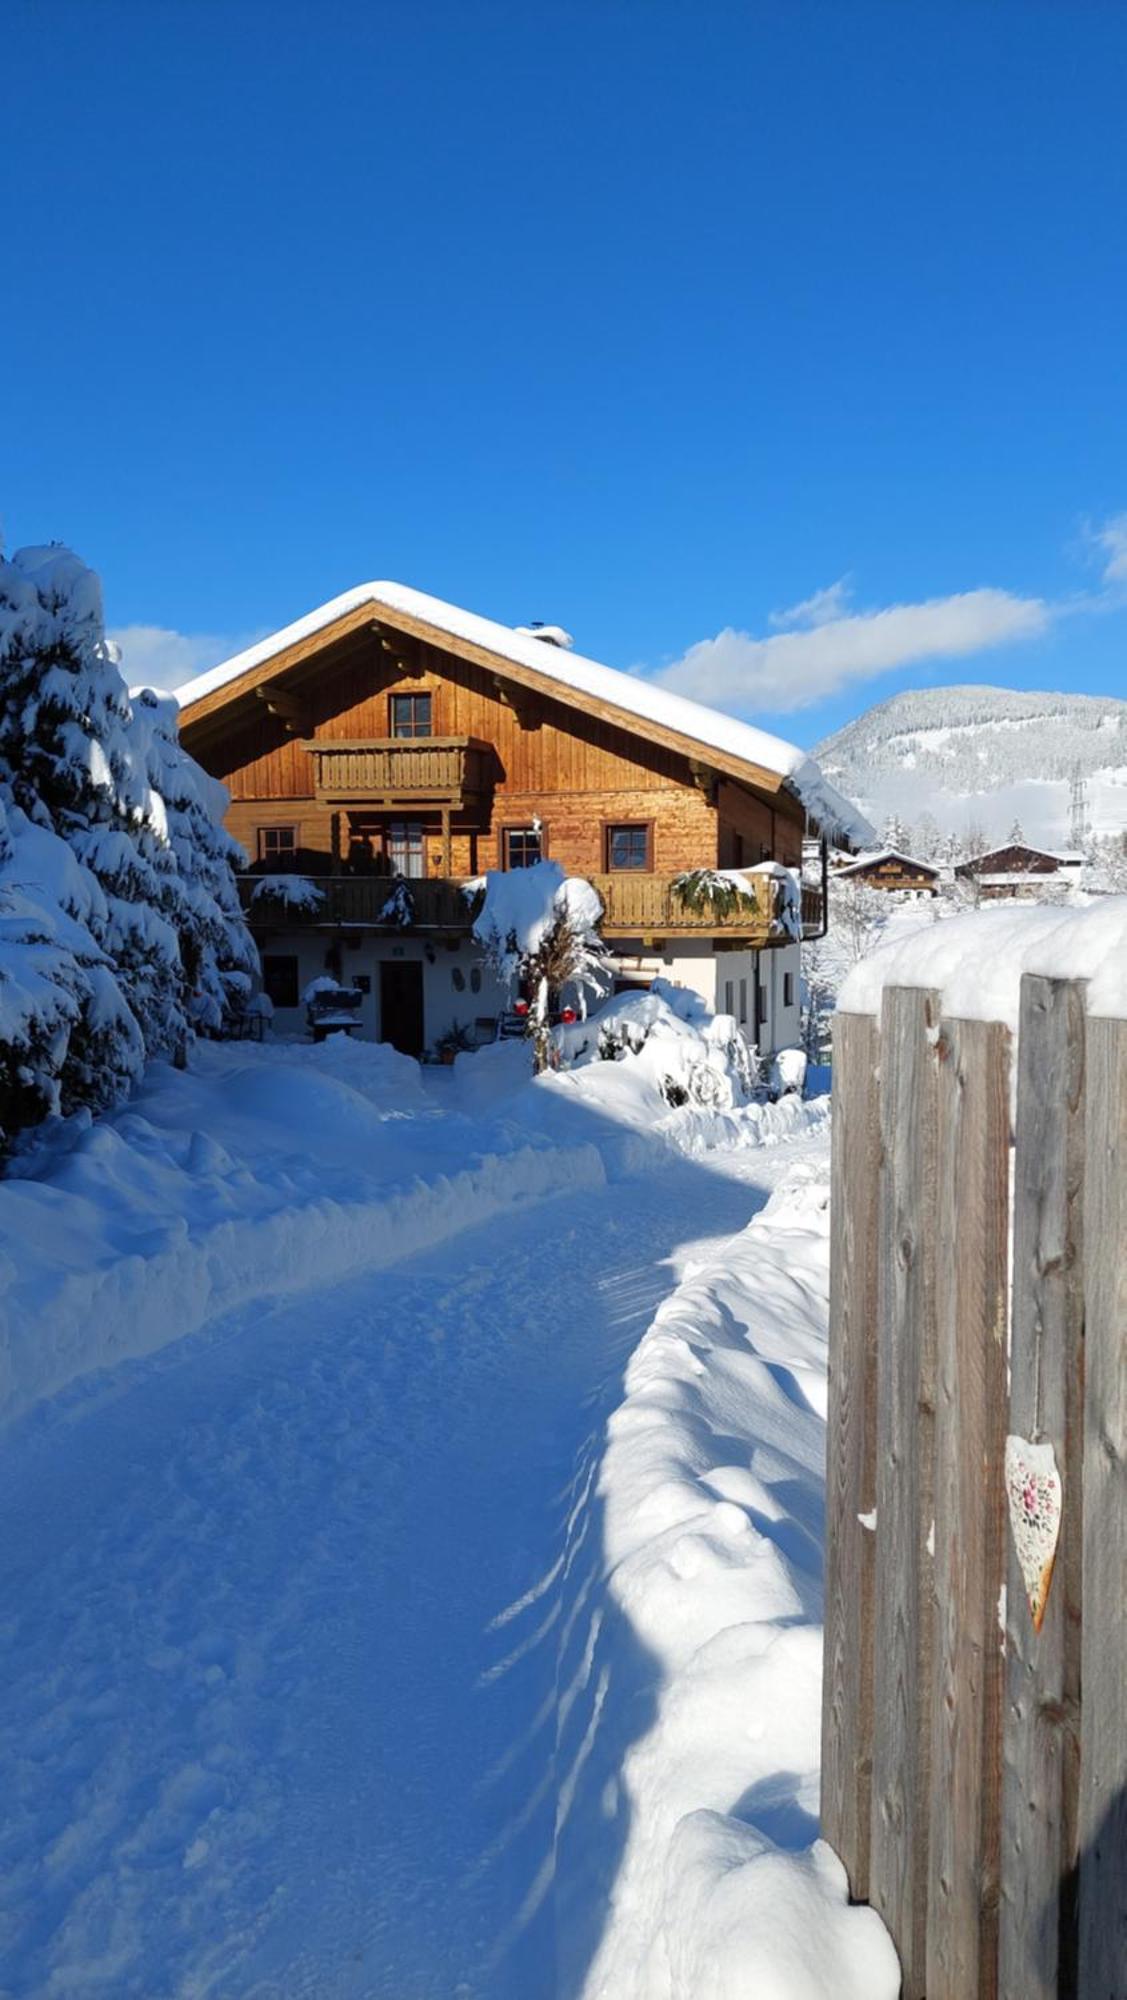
(897, 873)
(1018, 870)
(392, 737)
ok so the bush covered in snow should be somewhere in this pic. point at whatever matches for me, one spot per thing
(541, 926)
(120, 926)
(693, 1056)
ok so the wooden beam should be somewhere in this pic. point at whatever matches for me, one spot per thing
(1103, 1723)
(289, 709)
(526, 708)
(705, 780)
(969, 1528)
(851, 1445)
(904, 1556)
(1041, 1724)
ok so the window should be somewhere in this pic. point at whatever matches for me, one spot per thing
(743, 1002)
(788, 989)
(762, 1003)
(277, 845)
(411, 715)
(279, 979)
(729, 997)
(405, 851)
(522, 846)
(628, 846)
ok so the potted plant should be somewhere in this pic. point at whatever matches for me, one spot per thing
(456, 1040)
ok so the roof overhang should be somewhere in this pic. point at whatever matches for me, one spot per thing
(372, 617)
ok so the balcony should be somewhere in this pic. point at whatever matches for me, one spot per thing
(636, 906)
(392, 773)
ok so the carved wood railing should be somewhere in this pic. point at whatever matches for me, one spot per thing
(636, 906)
(389, 771)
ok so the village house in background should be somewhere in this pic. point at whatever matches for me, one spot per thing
(1019, 870)
(892, 871)
(388, 748)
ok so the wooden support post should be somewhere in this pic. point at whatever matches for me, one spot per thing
(905, 1419)
(334, 841)
(847, 1684)
(1103, 1722)
(971, 1287)
(1041, 1741)
(447, 851)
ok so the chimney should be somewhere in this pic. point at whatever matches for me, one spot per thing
(552, 635)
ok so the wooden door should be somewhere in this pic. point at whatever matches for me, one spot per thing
(401, 1005)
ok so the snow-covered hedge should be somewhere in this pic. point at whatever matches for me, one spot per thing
(692, 1056)
(120, 925)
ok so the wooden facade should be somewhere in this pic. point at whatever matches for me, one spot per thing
(320, 781)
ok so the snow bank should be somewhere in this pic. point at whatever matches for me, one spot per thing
(670, 1041)
(258, 1172)
(976, 962)
(711, 1484)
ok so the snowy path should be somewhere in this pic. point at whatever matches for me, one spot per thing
(261, 1738)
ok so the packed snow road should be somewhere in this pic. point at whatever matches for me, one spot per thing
(278, 1659)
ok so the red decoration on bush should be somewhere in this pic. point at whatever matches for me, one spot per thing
(567, 1015)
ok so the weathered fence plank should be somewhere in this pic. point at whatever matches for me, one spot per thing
(1103, 1725)
(1041, 1740)
(971, 1284)
(905, 1415)
(847, 1700)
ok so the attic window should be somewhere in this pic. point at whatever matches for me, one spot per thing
(628, 846)
(411, 715)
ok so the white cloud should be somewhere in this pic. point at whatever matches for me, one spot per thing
(821, 609)
(1112, 539)
(790, 669)
(154, 656)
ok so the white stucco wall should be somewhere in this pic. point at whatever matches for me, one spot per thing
(687, 963)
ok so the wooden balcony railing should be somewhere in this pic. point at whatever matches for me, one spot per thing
(635, 905)
(388, 772)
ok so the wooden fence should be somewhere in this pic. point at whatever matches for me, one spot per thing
(974, 1769)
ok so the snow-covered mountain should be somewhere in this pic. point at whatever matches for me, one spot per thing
(983, 757)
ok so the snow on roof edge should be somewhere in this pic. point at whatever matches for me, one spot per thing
(869, 859)
(710, 727)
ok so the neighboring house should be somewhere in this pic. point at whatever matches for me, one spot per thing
(389, 735)
(891, 870)
(1018, 870)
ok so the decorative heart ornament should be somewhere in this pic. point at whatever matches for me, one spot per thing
(1033, 1490)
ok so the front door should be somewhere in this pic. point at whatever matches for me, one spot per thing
(401, 1005)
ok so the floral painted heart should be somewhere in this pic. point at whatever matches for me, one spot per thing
(1033, 1490)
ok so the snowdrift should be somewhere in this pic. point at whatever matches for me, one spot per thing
(710, 1481)
(260, 1171)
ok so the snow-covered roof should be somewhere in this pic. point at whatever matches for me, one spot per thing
(873, 859)
(1063, 859)
(708, 727)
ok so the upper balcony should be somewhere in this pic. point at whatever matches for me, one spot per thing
(394, 772)
(637, 906)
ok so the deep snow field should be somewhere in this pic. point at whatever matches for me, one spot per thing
(411, 1534)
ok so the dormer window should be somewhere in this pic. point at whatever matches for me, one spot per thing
(411, 715)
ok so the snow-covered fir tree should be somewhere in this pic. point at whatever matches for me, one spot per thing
(119, 921)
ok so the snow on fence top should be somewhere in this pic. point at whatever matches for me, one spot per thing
(706, 726)
(976, 962)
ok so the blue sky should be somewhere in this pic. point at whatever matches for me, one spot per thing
(654, 320)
